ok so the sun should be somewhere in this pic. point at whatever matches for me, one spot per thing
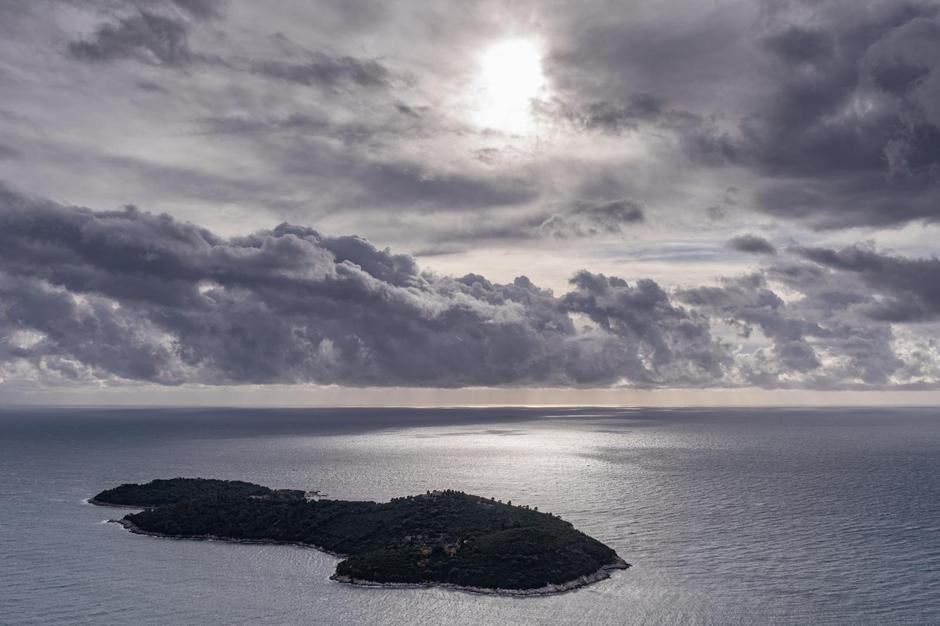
(510, 79)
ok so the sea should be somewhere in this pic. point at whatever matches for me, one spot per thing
(728, 516)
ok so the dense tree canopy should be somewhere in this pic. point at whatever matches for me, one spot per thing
(440, 537)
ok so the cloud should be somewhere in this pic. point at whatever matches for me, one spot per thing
(579, 220)
(847, 130)
(360, 119)
(201, 9)
(747, 303)
(820, 113)
(397, 183)
(286, 305)
(144, 36)
(798, 45)
(147, 85)
(833, 319)
(589, 219)
(108, 295)
(608, 117)
(160, 36)
(326, 71)
(656, 340)
(831, 110)
(358, 165)
(7, 152)
(751, 244)
(817, 342)
(910, 289)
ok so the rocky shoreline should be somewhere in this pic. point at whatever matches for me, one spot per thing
(552, 589)
(582, 581)
(113, 506)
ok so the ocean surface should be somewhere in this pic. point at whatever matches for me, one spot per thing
(729, 516)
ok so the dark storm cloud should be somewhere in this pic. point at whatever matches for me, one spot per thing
(90, 338)
(659, 51)
(699, 138)
(97, 295)
(286, 305)
(289, 305)
(159, 35)
(748, 303)
(663, 341)
(326, 71)
(911, 286)
(832, 107)
(847, 128)
(144, 36)
(588, 219)
(752, 244)
(798, 45)
(609, 117)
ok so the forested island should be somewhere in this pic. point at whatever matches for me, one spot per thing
(447, 538)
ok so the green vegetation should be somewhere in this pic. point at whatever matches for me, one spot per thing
(440, 537)
(160, 492)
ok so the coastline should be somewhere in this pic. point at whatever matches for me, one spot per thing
(603, 573)
(113, 506)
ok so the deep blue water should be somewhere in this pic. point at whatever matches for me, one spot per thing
(729, 516)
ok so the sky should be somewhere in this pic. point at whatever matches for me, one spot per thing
(347, 202)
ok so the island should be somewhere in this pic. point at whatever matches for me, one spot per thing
(444, 538)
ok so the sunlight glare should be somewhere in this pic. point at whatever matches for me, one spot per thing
(510, 78)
